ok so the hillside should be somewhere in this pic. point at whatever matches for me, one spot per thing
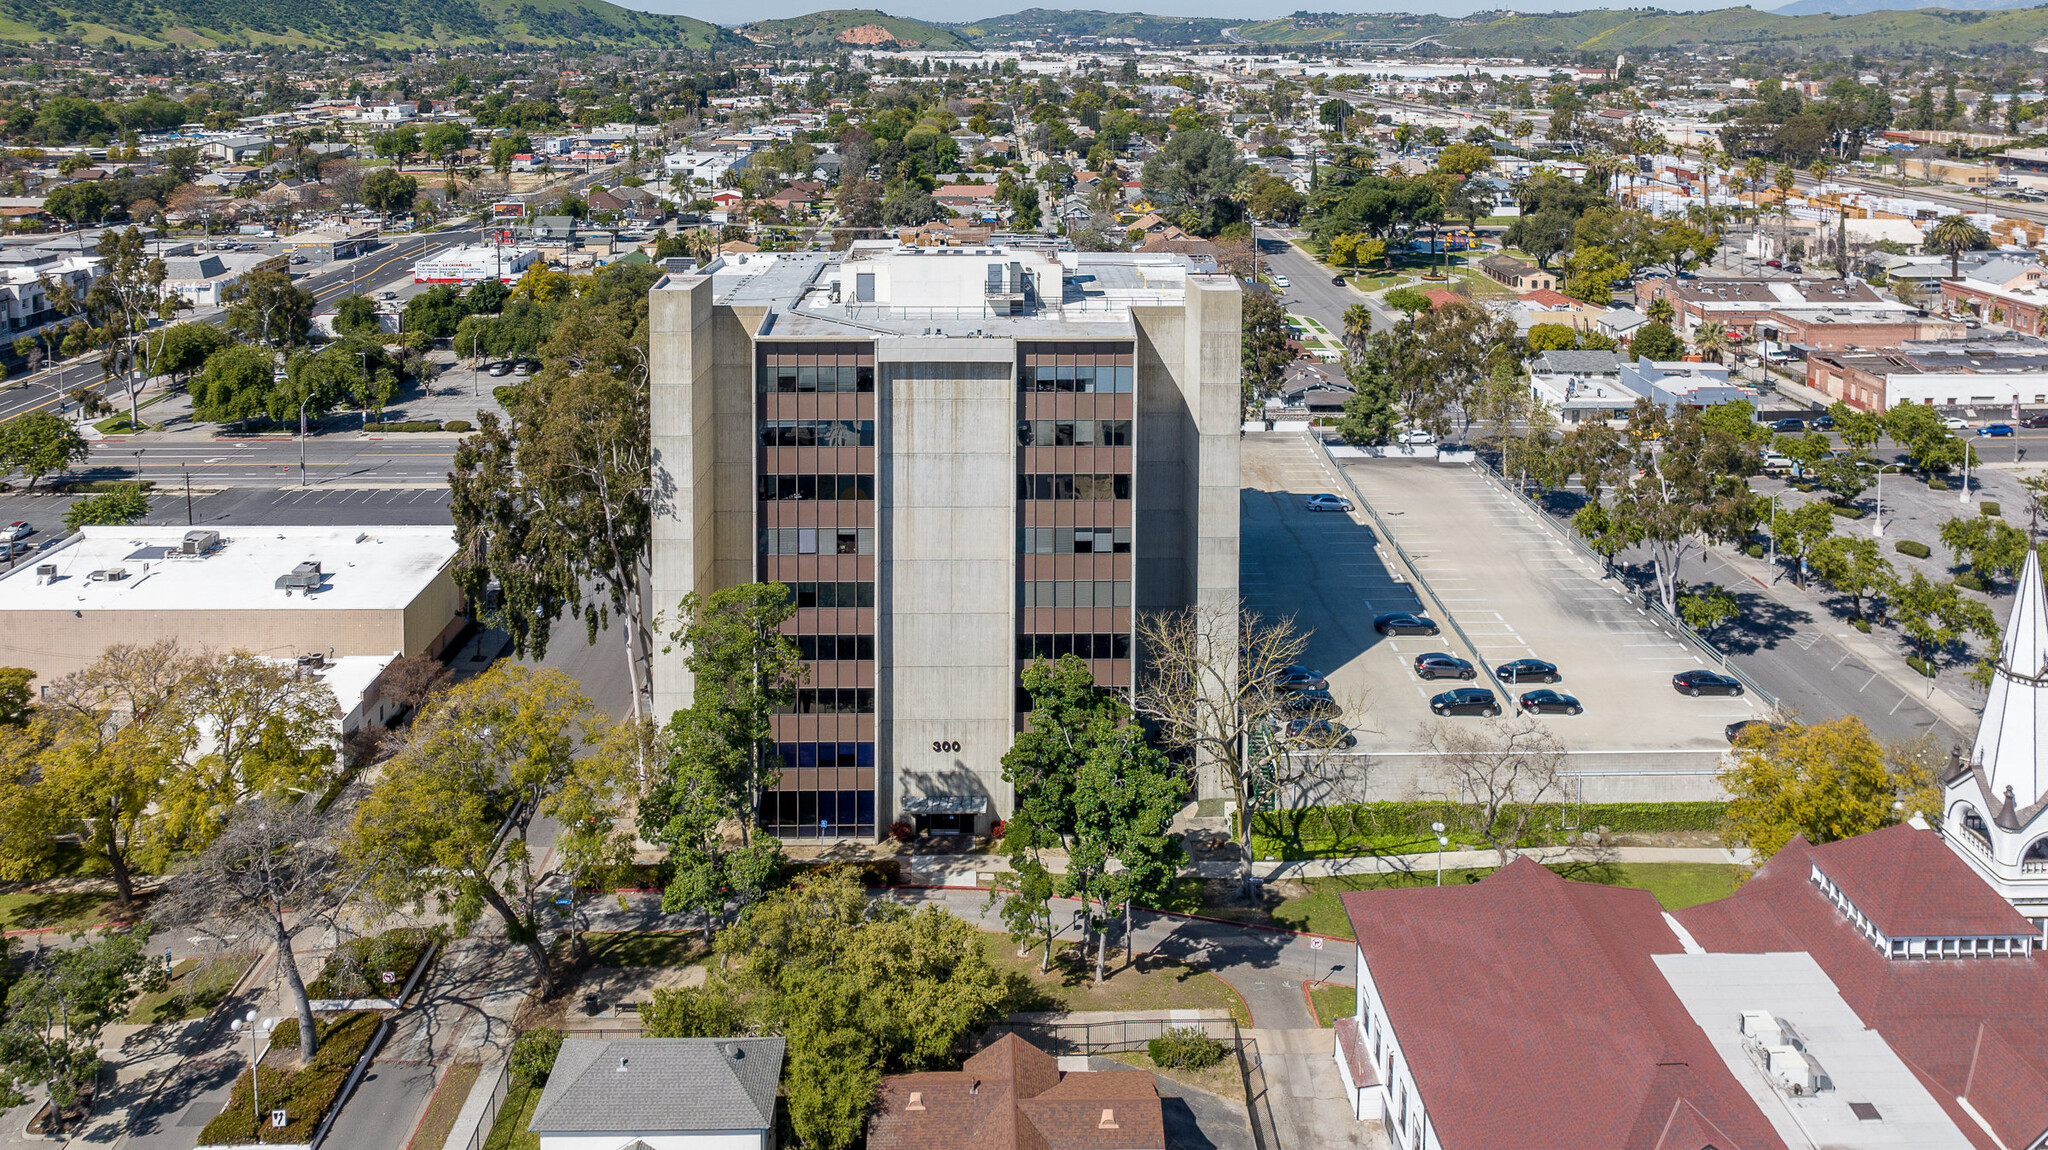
(1045, 23)
(1854, 7)
(1609, 31)
(333, 23)
(851, 28)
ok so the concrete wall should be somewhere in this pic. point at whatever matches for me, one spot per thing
(55, 643)
(946, 604)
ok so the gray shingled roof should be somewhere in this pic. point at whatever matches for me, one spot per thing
(1578, 363)
(632, 1085)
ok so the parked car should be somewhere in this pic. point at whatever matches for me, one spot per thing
(2035, 421)
(1995, 431)
(1415, 435)
(1774, 263)
(1338, 280)
(1465, 701)
(1404, 623)
(1698, 683)
(298, 259)
(1955, 423)
(1794, 269)
(1310, 705)
(1529, 671)
(1327, 502)
(1282, 282)
(521, 370)
(1740, 727)
(1443, 665)
(1789, 425)
(1823, 423)
(500, 369)
(18, 529)
(1320, 733)
(1776, 461)
(1299, 678)
(1549, 702)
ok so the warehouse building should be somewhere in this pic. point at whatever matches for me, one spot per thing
(959, 459)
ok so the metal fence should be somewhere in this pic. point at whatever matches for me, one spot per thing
(1648, 599)
(482, 1133)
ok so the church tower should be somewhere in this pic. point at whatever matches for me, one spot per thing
(1996, 802)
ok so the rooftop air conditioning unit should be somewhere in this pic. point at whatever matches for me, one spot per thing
(200, 542)
(304, 577)
(46, 573)
(108, 575)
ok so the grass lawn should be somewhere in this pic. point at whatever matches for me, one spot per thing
(357, 967)
(1675, 885)
(303, 1094)
(196, 987)
(646, 948)
(446, 1106)
(509, 1132)
(69, 909)
(1333, 1002)
(1219, 1078)
(1153, 984)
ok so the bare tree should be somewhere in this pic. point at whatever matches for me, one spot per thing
(1500, 771)
(274, 871)
(1208, 686)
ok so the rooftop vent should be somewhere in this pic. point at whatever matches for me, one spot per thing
(200, 542)
(916, 1100)
(622, 1064)
(108, 575)
(304, 577)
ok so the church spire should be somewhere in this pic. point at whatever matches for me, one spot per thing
(2012, 740)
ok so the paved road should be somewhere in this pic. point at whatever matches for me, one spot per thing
(1310, 291)
(348, 459)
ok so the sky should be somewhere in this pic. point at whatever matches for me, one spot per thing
(960, 11)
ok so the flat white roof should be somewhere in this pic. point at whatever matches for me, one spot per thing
(362, 569)
(1718, 988)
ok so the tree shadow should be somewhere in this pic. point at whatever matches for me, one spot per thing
(1761, 623)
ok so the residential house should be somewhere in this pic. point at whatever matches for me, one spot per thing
(202, 280)
(1014, 1096)
(1513, 273)
(798, 196)
(660, 1094)
(968, 199)
(234, 149)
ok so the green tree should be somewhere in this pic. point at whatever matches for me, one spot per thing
(118, 506)
(1955, 234)
(499, 749)
(354, 313)
(1406, 299)
(1992, 547)
(183, 348)
(1708, 606)
(1197, 172)
(436, 313)
(40, 443)
(1656, 341)
(1264, 346)
(234, 385)
(389, 191)
(1825, 781)
(1860, 430)
(15, 696)
(1544, 337)
(268, 308)
(1854, 567)
(1934, 616)
(1798, 531)
(56, 1009)
(1919, 429)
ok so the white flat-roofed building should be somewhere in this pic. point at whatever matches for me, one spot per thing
(279, 592)
(473, 264)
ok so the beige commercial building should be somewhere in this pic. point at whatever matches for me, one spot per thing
(275, 591)
(959, 459)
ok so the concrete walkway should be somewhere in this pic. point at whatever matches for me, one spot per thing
(973, 870)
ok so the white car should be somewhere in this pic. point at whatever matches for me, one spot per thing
(21, 530)
(1282, 282)
(1416, 435)
(1954, 424)
(1327, 502)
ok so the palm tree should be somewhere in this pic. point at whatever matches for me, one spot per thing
(1955, 235)
(1357, 326)
(1785, 179)
(1660, 310)
(1753, 170)
(1711, 339)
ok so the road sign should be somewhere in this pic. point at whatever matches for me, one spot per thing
(279, 1119)
(1315, 944)
(390, 977)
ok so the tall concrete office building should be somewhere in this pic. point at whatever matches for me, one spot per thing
(958, 459)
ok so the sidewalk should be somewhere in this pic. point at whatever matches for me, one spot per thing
(973, 870)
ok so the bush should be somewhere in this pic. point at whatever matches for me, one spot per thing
(1846, 511)
(1753, 550)
(356, 968)
(1988, 508)
(461, 425)
(504, 393)
(97, 486)
(901, 831)
(405, 425)
(1971, 581)
(1185, 1048)
(118, 507)
(1861, 624)
(1910, 547)
(1404, 827)
(1925, 668)
(1936, 483)
(533, 1055)
(304, 1095)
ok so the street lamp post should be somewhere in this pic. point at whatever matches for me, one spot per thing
(248, 1022)
(1877, 522)
(1963, 496)
(302, 439)
(1441, 843)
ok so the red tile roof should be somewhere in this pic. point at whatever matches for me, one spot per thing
(1442, 297)
(1533, 1016)
(1012, 1096)
(1548, 298)
(1969, 1027)
(1911, 885)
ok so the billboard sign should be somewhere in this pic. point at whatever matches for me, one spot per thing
(508, 210)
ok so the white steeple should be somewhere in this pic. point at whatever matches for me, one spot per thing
(1996, 801)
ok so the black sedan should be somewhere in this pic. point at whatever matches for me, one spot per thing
(1823, 423)
(1698, 683)
(1465, 701)
(1310, 705)
(1529, 671)
(1403, 623)
(1789, 424)
(1741, 727)
(1547, 702)
(1321, 733)
(1299, 678)
(1440, 665)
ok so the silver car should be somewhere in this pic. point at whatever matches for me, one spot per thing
(1327, 502)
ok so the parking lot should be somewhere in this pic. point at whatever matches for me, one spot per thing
(1514, 587)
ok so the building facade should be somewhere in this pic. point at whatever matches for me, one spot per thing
(959, 460)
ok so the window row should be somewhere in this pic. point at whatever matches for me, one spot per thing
(818, 541)
(1073, 540)
(818, 814)
(1074, 433)
(818, 433)
(1074, 593)
(799, 756)
(832, 701)
(799, 488)
(1073, 486)
(835, 646)
(1109, 646)
(1077, 378)
(861, 594)
(818, 379)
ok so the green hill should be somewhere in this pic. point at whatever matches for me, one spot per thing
(333, 23)
(1046, 23)
(1610, 30)
(852, 28)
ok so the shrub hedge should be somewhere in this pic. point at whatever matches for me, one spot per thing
(1404, 827)
(98, 486)
(1925, 668)
(405, 425)
(1846, 511)
(459, 425)
(304, 1095)
(355, 969)
(1915, 549)
(1936, 483)
(1988, 508)
(1185, 1048)
(1753, 550)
